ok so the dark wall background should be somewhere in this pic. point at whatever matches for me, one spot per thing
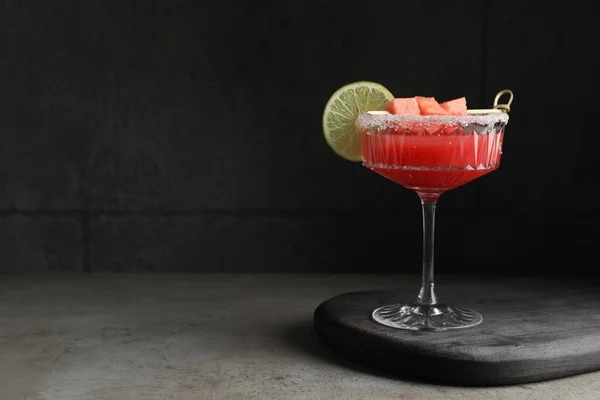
(172, 135)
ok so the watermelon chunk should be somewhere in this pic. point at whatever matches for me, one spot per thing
(403, 106)
(456, 106)
(429, 106)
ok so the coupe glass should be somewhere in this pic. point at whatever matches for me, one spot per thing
(430, 155)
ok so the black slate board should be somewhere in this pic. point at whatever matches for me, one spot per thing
(532, 330)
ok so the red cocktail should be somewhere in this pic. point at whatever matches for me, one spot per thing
(430, 154)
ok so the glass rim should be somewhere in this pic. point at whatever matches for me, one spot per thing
(383, 121)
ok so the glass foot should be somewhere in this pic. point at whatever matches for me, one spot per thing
(438, 317)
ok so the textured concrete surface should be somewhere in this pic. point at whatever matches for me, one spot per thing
(161, 105)
(311, 241)
(180, 337)
(519, 49)
(186, 135)
(40, 243)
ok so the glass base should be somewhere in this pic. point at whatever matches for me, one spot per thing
(438, 317)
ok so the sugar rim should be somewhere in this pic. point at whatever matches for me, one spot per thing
(382, 121)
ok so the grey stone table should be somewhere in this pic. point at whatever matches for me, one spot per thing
(179, 337)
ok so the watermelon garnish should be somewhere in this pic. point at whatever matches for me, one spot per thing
(456, 106)
(404, 106)
(430, 106)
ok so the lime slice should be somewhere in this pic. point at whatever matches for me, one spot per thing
(341, 111)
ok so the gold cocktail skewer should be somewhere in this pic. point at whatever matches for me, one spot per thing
(498, 108)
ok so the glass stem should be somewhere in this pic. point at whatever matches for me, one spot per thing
(427, 293)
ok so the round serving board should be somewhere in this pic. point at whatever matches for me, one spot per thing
(532, 330)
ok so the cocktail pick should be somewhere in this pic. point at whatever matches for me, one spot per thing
(498, 107)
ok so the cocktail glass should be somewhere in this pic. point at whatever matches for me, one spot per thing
(430, 155)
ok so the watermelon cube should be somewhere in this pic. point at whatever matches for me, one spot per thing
(403, 106)
(456, 106)
(429, 106)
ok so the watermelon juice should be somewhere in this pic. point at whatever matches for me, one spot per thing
(431, 154)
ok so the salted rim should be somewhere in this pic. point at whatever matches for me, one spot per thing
(382, 121)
